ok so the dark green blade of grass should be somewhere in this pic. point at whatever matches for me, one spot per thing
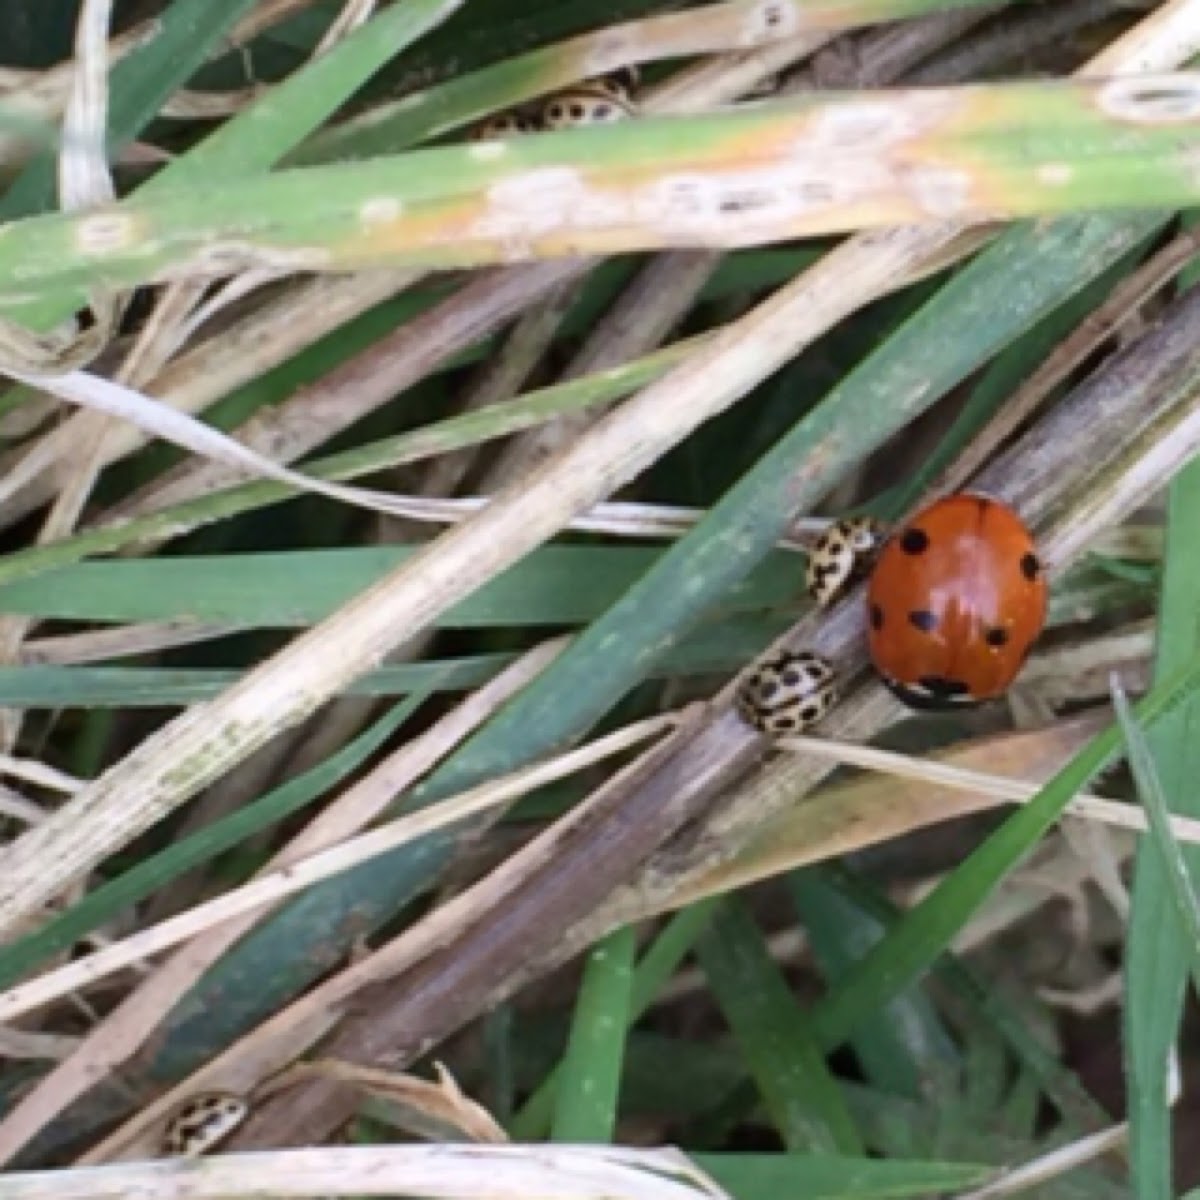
(984, 1074)
(110, 899)
(693, 1079)
(259, 136)
(718, 647)
(555, 585)
(589, 1082)
(1080, 1112)
(803, 1098)
(897, 1052)
(1020, 1110)
(133, 687)
(1028, 272)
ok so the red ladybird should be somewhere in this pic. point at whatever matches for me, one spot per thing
(955, 600)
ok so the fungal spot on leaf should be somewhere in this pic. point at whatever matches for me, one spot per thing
(1151, 101)
(105, 233)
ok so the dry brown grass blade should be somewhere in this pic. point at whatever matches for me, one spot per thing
(434, 1111)
(876, 808)
(447, 1172)
(1092, 333)
(642, 318)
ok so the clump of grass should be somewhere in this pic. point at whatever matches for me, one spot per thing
(375, 729)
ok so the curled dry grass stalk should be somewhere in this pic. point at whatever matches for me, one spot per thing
(653, 834)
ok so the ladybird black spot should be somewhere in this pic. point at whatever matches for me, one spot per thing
(809, 713)
(577, 111)
(790, 677)
(996, 637)
(767, 688)
(1030, 567)
(876, 617)
(914, 541)
(923, 620)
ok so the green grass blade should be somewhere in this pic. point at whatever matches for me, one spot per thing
(556, 585)
(1001, 379)
(110, 899)
(801, 1095)
(257, 138)
(147, 687)
(1158, 813)
(653, 971)
(454, 206)
(1157, 957)
(590, 1078)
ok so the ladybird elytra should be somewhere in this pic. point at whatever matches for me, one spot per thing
(842, 555)
(955, 601)
(502, 125)
(787, 692)
(583, 106)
